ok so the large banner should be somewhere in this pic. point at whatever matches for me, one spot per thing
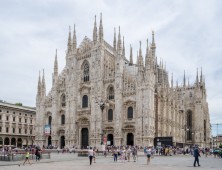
(47, 130)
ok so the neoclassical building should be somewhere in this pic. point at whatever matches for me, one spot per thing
(16, 125)
(101, 94)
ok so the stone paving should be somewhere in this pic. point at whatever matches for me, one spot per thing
(68, 161)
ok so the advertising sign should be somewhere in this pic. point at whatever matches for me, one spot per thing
(104, 140)
(47, 130)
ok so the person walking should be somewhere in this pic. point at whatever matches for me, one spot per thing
(27, 157)
(134, 153)
(115, 154)
(37, 154)
(94, 155)
(90, 154)
(196, 155)
(148, 154)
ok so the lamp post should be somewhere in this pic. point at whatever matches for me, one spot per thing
(101, 103)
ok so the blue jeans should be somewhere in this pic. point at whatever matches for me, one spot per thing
(115, 157)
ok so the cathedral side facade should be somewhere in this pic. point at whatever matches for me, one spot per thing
(101, 96)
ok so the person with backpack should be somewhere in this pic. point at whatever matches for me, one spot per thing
(148, 154)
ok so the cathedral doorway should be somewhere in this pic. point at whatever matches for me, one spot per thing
(85, 137)
(19, 142)
(110, 139)
(13, 141)
(62, 142)
(49, 140)
(130, 139)
(6, 142)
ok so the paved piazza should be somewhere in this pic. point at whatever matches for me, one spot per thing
(68, 161)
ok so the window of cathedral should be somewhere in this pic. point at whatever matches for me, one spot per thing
(130, 113)
(20, 119)
(189, 125)
(86, 72)
(0, 129)
(110, 115)
(13, 119)
(20, 130)
(84, 101)
(63, 119)
(6, 129)
(25, 120)
(25, 131)
(30, 131)
(50, 120)
(13, 130)
(0, 117)
(7, 118)
(63, 100)
(111, 93)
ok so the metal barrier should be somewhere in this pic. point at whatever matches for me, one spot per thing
(21, 156)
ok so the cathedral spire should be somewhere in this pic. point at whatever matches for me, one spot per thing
(43, 84)
(172, 80)
(201, 75)
(123, 48)
(119, 43)
(95, 32)
(101, 29)
(147, 60)
(74, 38)
(39, 85)
(140, 58)
(69, 40)
(56, 65)
(137, 56)
(184, 79)
(197, 78)
(131, 56)
(114, 40)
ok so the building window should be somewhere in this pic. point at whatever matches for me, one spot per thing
(25, 120)
(6, 129)
(25, 131)
(63, 100)
(31, 115)
(31, 121)
(0, 110)
(85, 101)
(20, 119)
(20, 130)
(7, 118)
(63, 119)
(0, 129)
(13, 112)
(0, 117)
(189, 125)
(13, 119)
(111, 93)
(50, 120)
(13, 130)
(30, 131)
(130, 113)
(110, 115)
(20, 114)
(86, 72)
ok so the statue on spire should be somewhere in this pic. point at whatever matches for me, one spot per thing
(95, 32)
(101, 29)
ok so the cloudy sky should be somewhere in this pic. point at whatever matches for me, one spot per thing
(188, 36)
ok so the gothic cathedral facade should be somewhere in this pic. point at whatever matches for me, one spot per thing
(101, 96)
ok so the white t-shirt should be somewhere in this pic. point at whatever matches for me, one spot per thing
(148, 151)
(90, 152)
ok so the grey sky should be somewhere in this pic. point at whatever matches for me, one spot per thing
(187, 33)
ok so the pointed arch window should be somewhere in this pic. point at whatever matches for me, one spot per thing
(63, 119)
(189, 125)
(110, 115)
(86, 72)
(111, 93)
(84, 101)
(50, 120)
(130, 113)
(63, 100)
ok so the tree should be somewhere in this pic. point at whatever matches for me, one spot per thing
(220, 146)
(18, 104)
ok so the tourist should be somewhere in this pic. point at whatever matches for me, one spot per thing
(128, 152)
(115, 154)
(134, 153)
(37, 154)
(27, 157)
(94, 155)
(148, 154)
(196, 155)
(90, 154)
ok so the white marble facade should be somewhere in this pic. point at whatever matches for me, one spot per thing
(139, 103)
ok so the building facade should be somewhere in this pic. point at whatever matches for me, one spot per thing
(102, 95)
(16, 125)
